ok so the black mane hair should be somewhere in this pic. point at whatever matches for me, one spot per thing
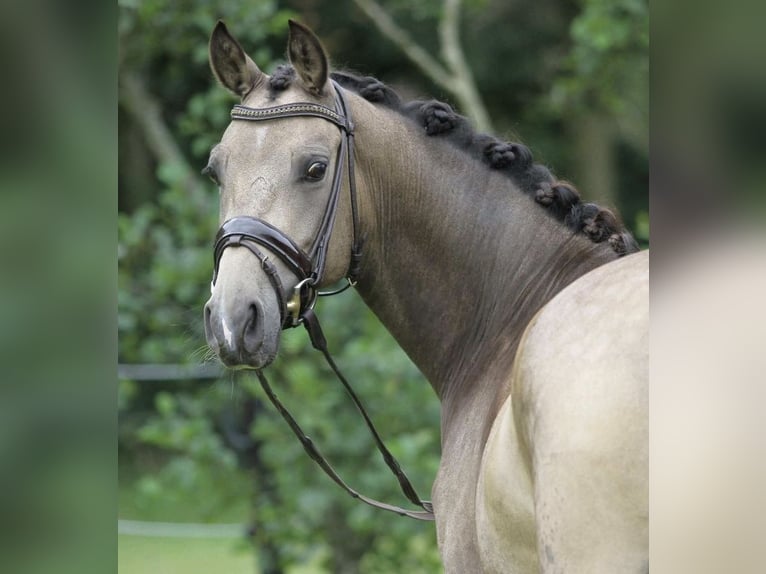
(560, 198)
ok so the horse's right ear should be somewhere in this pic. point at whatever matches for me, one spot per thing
(230, 64)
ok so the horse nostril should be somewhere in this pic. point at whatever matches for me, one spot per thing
(208, 326)
(251, 335)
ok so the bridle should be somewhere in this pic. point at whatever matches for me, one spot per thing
(308, 266)
(251, 232)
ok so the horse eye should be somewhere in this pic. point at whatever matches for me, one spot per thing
(210, 172)
(316, 171)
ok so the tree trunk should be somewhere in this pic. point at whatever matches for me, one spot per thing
(593, 145)
(146, 113)
(456, 77)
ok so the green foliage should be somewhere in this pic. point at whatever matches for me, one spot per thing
(607, 66)
(642, 229)
(415, 13)
(191, 461)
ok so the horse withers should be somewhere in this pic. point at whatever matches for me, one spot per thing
(524, 307)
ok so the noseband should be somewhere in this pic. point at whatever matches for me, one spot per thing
(253, 234)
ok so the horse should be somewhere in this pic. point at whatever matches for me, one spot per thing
(524, 307)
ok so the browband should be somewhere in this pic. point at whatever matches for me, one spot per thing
(300, 109)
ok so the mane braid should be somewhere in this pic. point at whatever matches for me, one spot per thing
(281, 79)
(560, 198)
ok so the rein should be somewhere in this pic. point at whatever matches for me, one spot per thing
(254, 234)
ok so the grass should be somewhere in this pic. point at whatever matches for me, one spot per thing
(152, 501)
(161, 555)
(144, 555)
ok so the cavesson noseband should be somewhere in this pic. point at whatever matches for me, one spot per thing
(254, 234)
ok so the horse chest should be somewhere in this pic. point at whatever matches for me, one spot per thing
(483, 501)
(505, 514)
(453, 496)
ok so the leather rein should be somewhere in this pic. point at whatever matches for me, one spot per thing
(298, 309)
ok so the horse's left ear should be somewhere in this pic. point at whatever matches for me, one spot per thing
(307, 57)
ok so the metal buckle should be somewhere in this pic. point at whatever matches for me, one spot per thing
(293, 305)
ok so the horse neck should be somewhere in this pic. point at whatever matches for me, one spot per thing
(457, 260)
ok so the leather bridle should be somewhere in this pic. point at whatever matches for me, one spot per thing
(251, 232)
(308, 266)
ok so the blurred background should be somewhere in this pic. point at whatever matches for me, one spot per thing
(210, 478)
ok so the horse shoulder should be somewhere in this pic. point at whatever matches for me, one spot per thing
(580, 406)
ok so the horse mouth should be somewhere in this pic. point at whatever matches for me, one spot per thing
(246, 356)
(244, 360)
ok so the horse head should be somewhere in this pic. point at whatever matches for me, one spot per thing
(286, 216)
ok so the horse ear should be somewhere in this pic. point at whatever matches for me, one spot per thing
(229, 62)
(307, 57)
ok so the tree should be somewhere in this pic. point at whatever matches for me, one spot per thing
(454, 75)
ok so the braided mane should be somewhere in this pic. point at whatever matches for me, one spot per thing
(559, 198)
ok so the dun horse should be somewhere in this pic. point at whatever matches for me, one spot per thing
(524, 307)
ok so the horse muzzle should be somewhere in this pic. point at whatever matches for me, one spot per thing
(243, 317)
